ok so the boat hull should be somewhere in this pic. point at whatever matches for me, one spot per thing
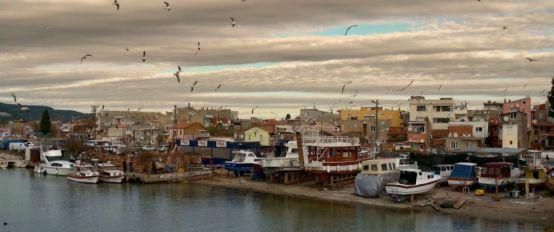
(401, 189)
(58, 171)
(82, 179)
(458, 182)
(491, 183)
(112, 179)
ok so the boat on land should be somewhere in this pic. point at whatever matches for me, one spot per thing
(54, 165)
(109, 173)
(375, 175)
(463, 175)
(84, 174)
(242, 163)
(413, 182)
(289, 162)
(550, 180)
(501, 175)
(443, 170)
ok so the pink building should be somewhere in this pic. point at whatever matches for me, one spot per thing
(521, 105)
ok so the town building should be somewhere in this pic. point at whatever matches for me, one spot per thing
(439, 112)
(257, 134)
(514, 130)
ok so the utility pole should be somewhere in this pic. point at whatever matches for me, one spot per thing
(376, 136)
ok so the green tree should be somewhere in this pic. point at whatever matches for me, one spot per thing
(551, 98)
(45, 124)
(287, 117)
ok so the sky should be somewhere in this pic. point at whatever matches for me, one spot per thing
(282, 55)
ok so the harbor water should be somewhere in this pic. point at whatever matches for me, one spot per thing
(31, 202)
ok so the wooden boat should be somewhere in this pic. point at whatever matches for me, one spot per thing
(501, 175)
(110, 174)
(412, 182)
(84, 174)
(463, 175)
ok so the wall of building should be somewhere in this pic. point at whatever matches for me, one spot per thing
(439, 111)
(395, 116)
(256, 134)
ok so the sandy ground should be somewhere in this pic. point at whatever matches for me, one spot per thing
(539, 211)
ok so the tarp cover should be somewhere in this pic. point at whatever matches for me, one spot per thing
(463, 171)
(368, 185)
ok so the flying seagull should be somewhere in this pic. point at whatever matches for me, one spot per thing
(344, 86)
(525, 85)
(439, 89)
(85, 57)
(144, 56)
(232, 22)
(176, 74)
(179, 68)
(530, 59)
(14, 97)
(167, 7)
(505, 90)
(126, 49)
(218, 87)
(116, 3)
(198, 48)
(192, 88)
(504, 28)
(405, 87)
(195, 82)
(253, 108)
(348, 29)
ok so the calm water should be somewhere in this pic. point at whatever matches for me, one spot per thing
(47, 203)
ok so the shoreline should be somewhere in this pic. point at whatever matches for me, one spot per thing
(539, 212)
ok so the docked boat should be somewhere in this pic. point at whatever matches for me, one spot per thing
(110, 174)
(54, 165)
(498, 175)
(242, 162)
(534, 176)
(84, 174)
(375, 175)
(4, 164)
(333, 159)
(412, 182)
(289, 162)
(443, 170)
(463, 175)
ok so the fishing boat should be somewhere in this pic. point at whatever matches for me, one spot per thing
(534, 176)
(242, 162)
(375, 175)
(498, 175)
(289, 162)
(332, 159)
(443, 170)
(84, 174)
(54, 165)
(110, 174)
(462, 175)
(412, 182)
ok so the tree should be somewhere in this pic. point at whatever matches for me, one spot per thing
(551, 99)
(45, 124)
(287, 117)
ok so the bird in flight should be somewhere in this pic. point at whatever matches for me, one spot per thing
(195, 82)
(232, 22)
(167, 7)
(505, 90)
(143, 56)
(197, 48)
(253, 108)
(192, 88)
(405, 87)
(85, 57)
(116, 4)
(504, 28)
(14, 97)
(176, 74)
(525, 85)
(344, 86)
(348, 29)
(126, 49)
(217, 88)
(530, 59)
(439, 89)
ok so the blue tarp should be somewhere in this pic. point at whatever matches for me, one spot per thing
(5, 144)
(463, 171)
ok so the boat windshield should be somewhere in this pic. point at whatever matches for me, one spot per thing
(408, 178)
(54, 158)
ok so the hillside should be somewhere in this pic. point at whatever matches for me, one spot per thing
(12, 112)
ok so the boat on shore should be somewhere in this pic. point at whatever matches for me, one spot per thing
(443, 170)
(463, 175)
(550, 180)
(413, 182)
(54, 165)
(110, 174)
(498, 175)
(4, 164)
(84, 174)
(242, 163)
(375, 175)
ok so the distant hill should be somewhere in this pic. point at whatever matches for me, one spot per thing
(10, 112)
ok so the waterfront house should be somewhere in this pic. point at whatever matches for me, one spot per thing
(514, 130)
(257, 134)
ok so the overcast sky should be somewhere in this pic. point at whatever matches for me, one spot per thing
(281, 55)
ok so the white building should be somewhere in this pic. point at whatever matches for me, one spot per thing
(510, 136)
(439, 111)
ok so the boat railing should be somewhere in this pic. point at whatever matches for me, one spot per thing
(329, 140)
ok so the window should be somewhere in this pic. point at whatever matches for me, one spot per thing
(453, 145)
(374, 167)
(511, 142)
(479, 129)
(442, 108)
(384, 167)
(421, 108)
(366, 167)
(441, 120)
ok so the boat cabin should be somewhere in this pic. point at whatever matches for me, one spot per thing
(442, 168)
(497, 169)
(414, 176)
(244, 157)
(379, 166)
(330, 153)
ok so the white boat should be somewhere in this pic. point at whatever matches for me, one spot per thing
(289, 162)
(412, 182)
(443, 170)
(54, 165)
(110, 174)
(374, 176)
(242, 163)
(463, 175)
(84, 174)
(4, 164)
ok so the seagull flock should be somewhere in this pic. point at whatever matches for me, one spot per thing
(167, 6)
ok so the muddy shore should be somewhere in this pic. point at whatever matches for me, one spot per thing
(539, 211)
